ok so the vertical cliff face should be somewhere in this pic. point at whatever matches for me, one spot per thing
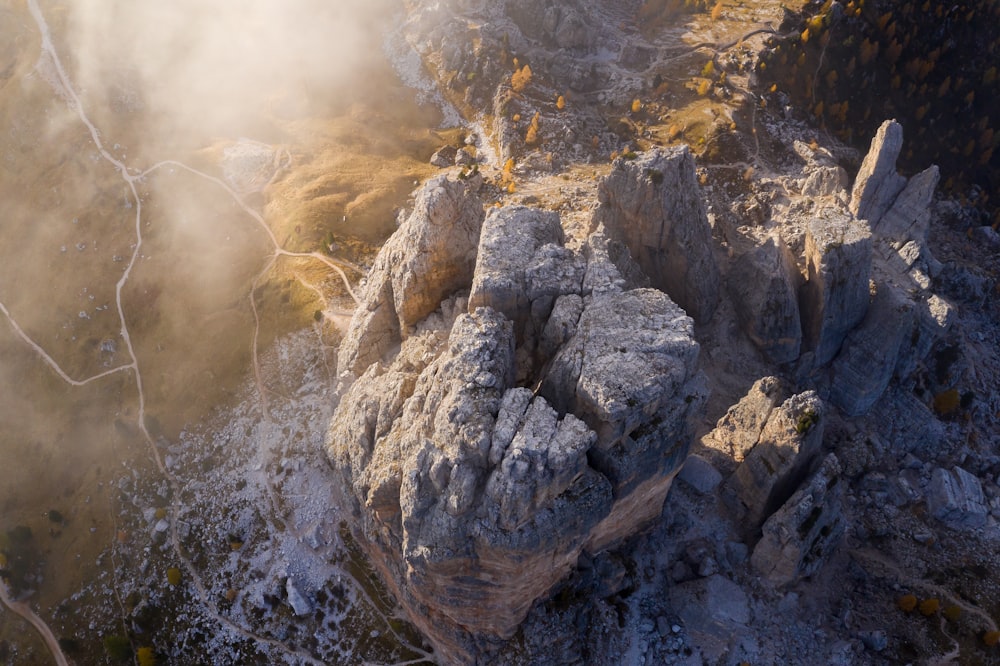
(653, 204)
(527, 409)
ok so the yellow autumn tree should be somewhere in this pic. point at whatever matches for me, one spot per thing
(507, 175)
(531, 138)
(520, 79)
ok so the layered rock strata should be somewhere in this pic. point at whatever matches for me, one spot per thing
(538, 411)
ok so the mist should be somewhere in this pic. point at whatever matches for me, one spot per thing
(167, 268)
(213, 67)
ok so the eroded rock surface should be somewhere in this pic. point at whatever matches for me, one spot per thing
(878, 183)
(432, 256)
(800, 536)
(653, 205)
(871, 353)
(956, 498)
(474, 494)
(789, 441)
(838, 252)
(764, 285)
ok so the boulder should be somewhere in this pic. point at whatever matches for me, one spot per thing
(444, 156)
(700, 475)
(713, 611)
(800, 536)
(955, 497)
(300, 603)
(653, 204)
(838, 253)
(763, 284)
(824, 181)
(878, 183)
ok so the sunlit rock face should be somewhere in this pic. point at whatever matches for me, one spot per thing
(653, 204)
(540, 412)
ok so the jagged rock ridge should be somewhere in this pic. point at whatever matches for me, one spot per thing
(539, 412)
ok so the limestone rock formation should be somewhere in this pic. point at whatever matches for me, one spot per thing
(509, 235)
(653, 205)
(799, 537)
(934, 317)
(738, 430)
(431, 256)
(763, 284)
(473, 494)
(778, 462)
(878, 183)
(630, 373)
(861, 372)
(909, 217)
(835, 298)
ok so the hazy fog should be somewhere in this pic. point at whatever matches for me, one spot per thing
(195, 64)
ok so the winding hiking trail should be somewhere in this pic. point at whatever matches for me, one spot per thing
(131, 177)
(24, 610)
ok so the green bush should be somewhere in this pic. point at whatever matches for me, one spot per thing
(118, 647)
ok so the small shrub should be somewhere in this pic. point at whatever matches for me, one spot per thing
(991, 638)
(174, 576)
(946, 403)
(952, 613)
(929, 607)
(117, 647)
(717, 11)
(507, 174)
(907, 603)
(636, 105)
(560, 102)
(531, 137)
(145, 656)
(807, 419)
(520, 79)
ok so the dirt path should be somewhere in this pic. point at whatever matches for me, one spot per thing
(25, 611)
